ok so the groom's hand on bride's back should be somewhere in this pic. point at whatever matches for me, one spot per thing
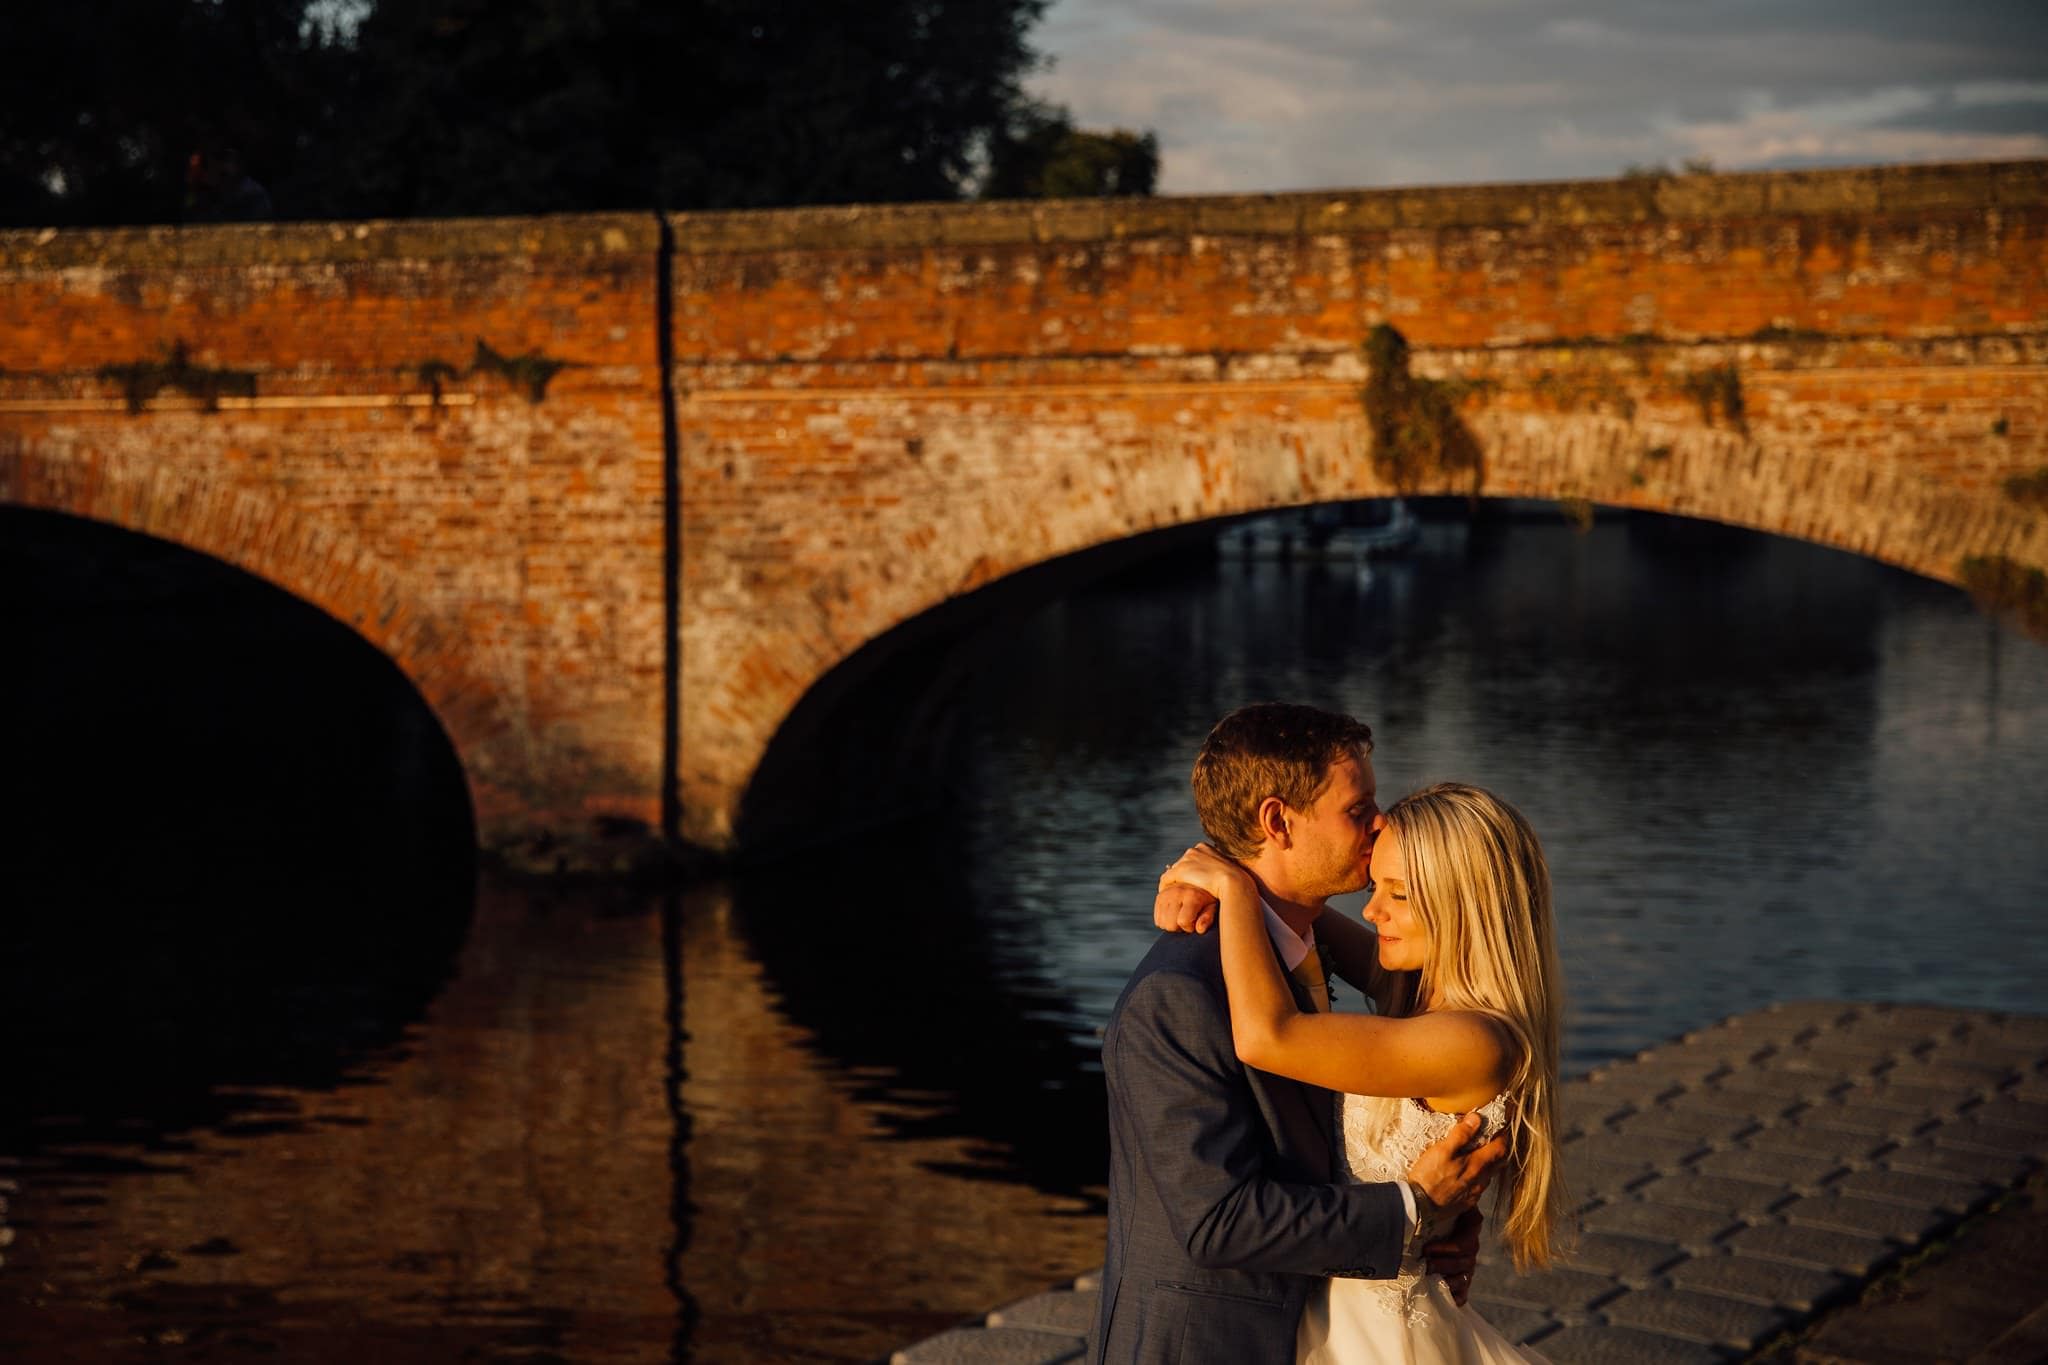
(1452, 1172)
(1182, 909)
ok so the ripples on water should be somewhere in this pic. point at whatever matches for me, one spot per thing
(1762, 770)
(282, 1086)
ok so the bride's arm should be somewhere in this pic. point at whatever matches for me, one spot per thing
(1439, 1054)
(1355, 953)
(1354, 949)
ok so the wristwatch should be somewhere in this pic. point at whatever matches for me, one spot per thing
(1425, 1214)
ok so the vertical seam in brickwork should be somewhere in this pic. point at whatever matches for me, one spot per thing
(671, 532)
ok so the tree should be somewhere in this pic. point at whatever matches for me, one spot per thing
(1043, 156)
(452, 107)
(104, 103)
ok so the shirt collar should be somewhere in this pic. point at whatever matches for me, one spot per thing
(1293, 948)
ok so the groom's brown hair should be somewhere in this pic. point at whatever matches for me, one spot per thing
(1270, 748)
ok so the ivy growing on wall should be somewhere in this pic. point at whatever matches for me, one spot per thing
(1418, 433)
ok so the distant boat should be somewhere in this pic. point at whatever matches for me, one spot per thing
(1328, 532)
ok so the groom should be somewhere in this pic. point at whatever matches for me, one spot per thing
(1228, 1198)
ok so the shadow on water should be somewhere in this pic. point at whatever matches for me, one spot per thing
(240, 844)
(881, 953)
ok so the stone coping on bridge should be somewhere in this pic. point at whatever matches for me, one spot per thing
(1635, 199)
(545, 236)
(1729, 1186)
(1851, 191)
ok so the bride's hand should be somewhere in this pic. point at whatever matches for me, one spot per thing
(1207, 871)
(1181, 909)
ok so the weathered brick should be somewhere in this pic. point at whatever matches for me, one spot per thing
(863, 395)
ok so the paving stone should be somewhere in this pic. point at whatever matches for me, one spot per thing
(1585, 1107)
(1694, 1189)
(1795, 1170)
(1733, 1095)
(1820, 1141)
(1687, 1227)
(991, 1346)
(1630, 1259)
(1626, 1346)
(1723, 1047)
(1972, 1132)
(1936, 1017)
(1820, 1248)
(1790, 1087)
(1642, 1151)
(1833, 1065)
(1956, 1072)
(2026, 1028)
(1698, 1317)
(1587, 1180)
(1915, 1189)
(1766, 1282)
(1516, 1323)
(1682, 1119)
(1801, 1014)
(1855, 1117)
(1632, 1084)
(1931, 1101)
(1558, 1289)
(1060, 1311)
(1869, 1217)
(1993, 1050)
(2011, 1112)
(1845, 1049)
(1926, 1155)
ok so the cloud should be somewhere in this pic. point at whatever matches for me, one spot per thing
(1320, 93)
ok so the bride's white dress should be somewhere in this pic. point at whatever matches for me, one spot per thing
(1411, 1319)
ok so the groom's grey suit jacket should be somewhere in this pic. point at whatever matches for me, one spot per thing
(1226, 1201)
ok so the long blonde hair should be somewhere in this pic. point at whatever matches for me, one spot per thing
(1478, 881)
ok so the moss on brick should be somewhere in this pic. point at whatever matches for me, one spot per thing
(2006, 587)
(530, 372)
(2029, 490)
(1417, 432)
(142, 380)
(1718, 391)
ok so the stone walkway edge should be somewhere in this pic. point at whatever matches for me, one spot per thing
(1728, 1186)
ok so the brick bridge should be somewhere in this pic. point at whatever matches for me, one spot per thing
(617, 491)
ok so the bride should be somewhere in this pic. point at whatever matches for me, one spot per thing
(1461, 894)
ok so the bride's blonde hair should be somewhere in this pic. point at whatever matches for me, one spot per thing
(1477, 879)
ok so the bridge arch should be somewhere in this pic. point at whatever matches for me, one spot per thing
(910, 573)
(263, 535)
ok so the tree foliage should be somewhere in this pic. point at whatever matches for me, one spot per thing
(1044, 156)
(453, 107)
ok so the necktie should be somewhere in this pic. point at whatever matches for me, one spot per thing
(1310, 975)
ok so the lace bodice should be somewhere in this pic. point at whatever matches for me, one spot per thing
(1381, 1139)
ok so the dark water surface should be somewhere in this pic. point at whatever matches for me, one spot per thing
(286, 1081)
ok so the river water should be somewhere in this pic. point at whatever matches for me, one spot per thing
(286, 1081)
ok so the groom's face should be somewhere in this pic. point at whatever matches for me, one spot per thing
(1332, 840)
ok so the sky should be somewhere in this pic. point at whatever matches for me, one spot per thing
(1253, 95)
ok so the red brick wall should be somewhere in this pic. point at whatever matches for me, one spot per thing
(883, 407)
(880, 408)
(506, 553)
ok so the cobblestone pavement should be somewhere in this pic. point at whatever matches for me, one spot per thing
(1731, 1186)
(1980, 1298)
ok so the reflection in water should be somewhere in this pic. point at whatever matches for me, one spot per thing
(283, 1085)
(834, 1216)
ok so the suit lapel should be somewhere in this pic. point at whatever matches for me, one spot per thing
(1309, 1109)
